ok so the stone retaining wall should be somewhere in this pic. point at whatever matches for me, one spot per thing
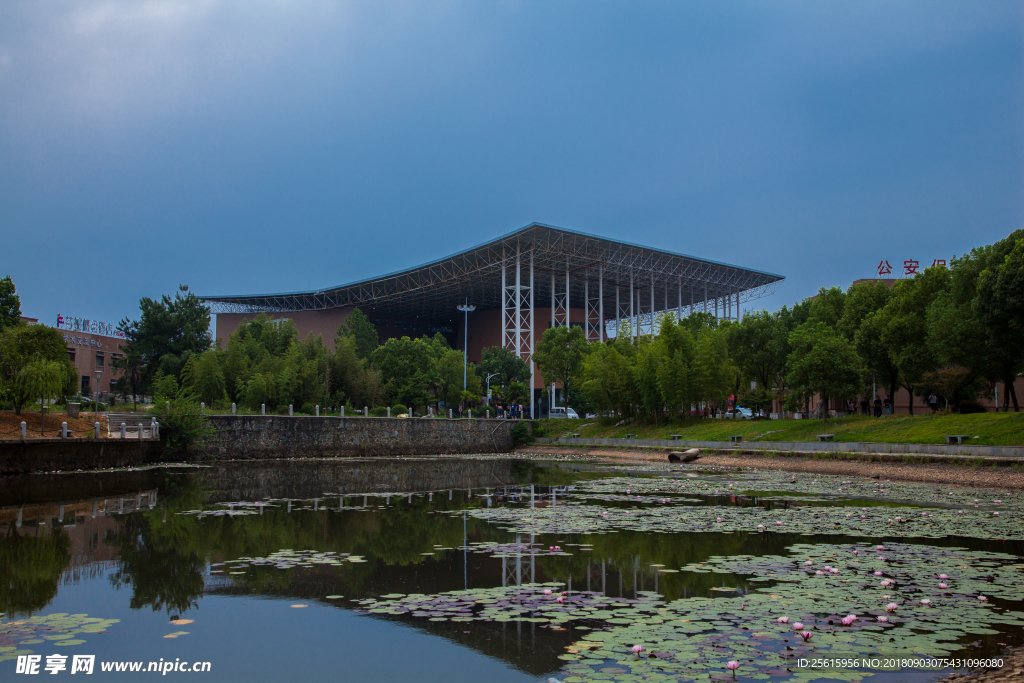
(52, 455)
(273, 436)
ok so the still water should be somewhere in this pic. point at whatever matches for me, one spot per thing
(265, 570)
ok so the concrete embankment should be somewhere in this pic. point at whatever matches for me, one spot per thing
(247, 437)
(258, 437)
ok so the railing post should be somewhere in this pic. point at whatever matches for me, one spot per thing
(123, 430)
(389, 412)
(289, 410)
(232, 408)
(95, 430)
(141, 431)
(63, 430)
(263, 409)
(366, 411)
(343, 411)
(24, 429)
(318, 411)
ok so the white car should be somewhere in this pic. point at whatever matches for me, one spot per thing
(564, 413)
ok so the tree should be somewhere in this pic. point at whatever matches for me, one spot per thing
(999, 305)
(10, 303)
(904, 323)
(207, 377)
(359, 327)
(28, 356)
(172, 328)
(824, 362)
(505, 364)
(559, 355)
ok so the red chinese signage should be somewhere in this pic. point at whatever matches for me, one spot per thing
(910, 266)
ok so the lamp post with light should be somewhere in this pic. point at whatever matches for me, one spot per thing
(465, 308)
(99, 374)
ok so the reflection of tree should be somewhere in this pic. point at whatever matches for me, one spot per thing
(30, 567)
(154, 555)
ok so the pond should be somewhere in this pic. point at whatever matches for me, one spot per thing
(500, 569)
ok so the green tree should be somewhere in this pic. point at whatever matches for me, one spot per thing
(824, 362)
(359, 327)
(904, 326)
(173, 328)
(208, 378)
(10, 303)
(559, 356)
(29, 356)
(508, 367)
(999, 305)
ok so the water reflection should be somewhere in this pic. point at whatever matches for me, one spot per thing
(156, 541)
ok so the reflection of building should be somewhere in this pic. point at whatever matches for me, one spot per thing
(92, 346)
(521, 284)
(87, 523)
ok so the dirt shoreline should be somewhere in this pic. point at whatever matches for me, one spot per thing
(959, 475)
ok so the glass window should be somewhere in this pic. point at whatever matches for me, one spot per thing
(99, 360)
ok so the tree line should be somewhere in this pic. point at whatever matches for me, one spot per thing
(949, 330)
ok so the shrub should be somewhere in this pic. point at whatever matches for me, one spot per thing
(378, 412)
(968, 407)
(398, 409)
(183, 426)
(308, 409)
(521, 434)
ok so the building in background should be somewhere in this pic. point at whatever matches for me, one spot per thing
(520, 284)
(92, 346)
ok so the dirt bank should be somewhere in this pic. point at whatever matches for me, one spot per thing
(962, 475)
(10, 424)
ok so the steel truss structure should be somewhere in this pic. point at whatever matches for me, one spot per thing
(540, 263)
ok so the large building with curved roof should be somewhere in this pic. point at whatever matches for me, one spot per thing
(520, 284)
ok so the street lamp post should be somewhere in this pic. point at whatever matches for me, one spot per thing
(99, 373)
(487, 385)
(465, 308)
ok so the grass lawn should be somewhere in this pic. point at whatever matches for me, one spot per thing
(993, 429)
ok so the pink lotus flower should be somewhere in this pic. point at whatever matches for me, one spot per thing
(856, 552)
(808, 563)
(878, 573)
(783, 620)
(890, 521)
(559, 599)
(819, 573)
(780, 523)
(943, 576)
(879, 547)
(863, 509)
(883, 619)
(806, 635)
(637, 649)
(943, 586)
(565, 592)
(886, 583)
(848, 619)
(798, 626)
(547, 591)
(996, 514)
(719, 519)
(982, 598)
(732, 666)
(926, 602)
(891, 607)
(959, 512)
(863, 517)
(834, 570)
(881, 558)
(997, 501)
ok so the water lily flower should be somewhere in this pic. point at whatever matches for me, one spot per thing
(798, 626)
(996, 514)
(997, 501)
(883, 619)
(878, 573)
(926, 602)
(809, 563)
(886, 583)
(856, 552)
(848, 619)
(863, 517)
(881, 558)
(782, 620)
(732, 666)
(890, 521)
(780, 523)
(834, 570)
(559, 599)
(982, 598)
(806, 635)
(943, 576)
(943, 586)
(565, 592)
(819, 573)
(547, 591)
(879, 547)
(637, 649)
(959, 512)
(891, 607)
(718, 519)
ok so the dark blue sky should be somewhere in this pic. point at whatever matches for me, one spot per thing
(270, 146)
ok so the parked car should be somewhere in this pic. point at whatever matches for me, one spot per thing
(564, 413)
(741, 413)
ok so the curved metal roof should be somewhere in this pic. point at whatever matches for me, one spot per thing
(433, 290)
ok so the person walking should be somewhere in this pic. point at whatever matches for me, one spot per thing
(933, 402)
(864, 406)
(878, 407)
